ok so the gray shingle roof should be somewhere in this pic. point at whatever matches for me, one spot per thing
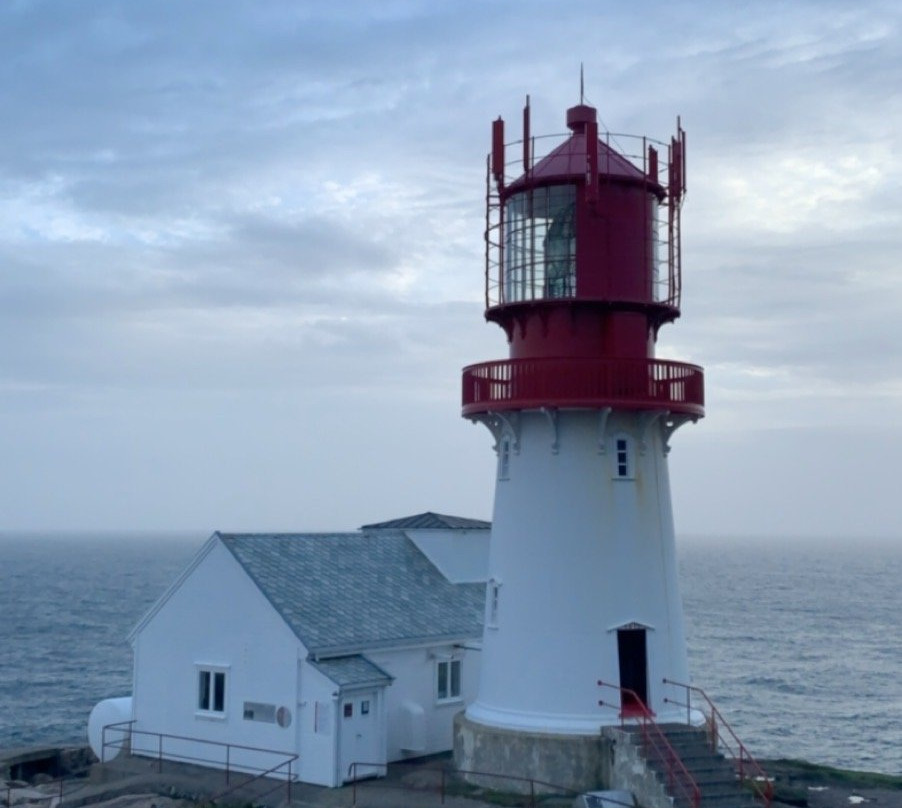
(342, 593)
(430, 521)
(352, 670)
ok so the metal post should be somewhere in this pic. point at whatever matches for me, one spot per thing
(160, 754)
(289, 781)
(228, 761)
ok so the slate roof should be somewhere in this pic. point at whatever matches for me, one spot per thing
(352, 670)
(342, 593)
(430, 521)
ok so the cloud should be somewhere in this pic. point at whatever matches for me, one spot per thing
(214, 212)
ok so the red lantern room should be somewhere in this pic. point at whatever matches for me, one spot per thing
(582, 269)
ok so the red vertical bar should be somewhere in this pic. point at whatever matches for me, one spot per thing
(488, 237)
(682, 160)
(592, 161)
(673, 171)
(498, 151)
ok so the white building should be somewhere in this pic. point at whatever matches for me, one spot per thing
(340, 648)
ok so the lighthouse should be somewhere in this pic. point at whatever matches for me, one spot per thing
(582, 271)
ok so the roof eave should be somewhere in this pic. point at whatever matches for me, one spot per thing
(400, 644)
(201, 554)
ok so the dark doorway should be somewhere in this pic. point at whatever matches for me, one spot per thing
(633, 670)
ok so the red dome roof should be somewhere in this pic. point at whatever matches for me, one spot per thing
(568, 160)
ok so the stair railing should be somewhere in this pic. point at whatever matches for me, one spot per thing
(747, 768)
(680, 782)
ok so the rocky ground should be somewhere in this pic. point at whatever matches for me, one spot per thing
(806, 785)
(798, 784)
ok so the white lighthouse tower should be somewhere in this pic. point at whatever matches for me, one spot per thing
(583, 269)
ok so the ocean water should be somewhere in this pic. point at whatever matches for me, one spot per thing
(800, 646)
(798, 643)
(67, 605)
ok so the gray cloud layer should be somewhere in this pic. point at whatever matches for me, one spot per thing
(241, 249)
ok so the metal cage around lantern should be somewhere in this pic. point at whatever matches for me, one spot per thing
(527, 256)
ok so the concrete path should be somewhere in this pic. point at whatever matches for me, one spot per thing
(134, 782)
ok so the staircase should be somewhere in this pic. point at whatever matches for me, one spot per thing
(715, 776)
(683, 763)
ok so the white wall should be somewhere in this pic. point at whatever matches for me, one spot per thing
(217, 617)
(578, 553)
(462, 556)
(414, 672)
(318, 728)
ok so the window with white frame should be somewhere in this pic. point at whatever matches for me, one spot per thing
(623, 458)
(447, 676)
(211, 690)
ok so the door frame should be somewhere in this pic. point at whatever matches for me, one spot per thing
(633, 668)
(379, 740)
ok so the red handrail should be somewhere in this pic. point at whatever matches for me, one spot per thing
(653, 739)
(508, 384)
(746, 766)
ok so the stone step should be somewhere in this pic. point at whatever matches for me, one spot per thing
(702, 765)
(714, 775)
(734, 800)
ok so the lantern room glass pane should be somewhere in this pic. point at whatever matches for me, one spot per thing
(540, 244)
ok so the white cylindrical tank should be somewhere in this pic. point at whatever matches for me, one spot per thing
(105, 713)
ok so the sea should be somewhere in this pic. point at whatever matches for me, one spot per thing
(798, 642)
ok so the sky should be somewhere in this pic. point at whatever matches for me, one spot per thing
(241, 253)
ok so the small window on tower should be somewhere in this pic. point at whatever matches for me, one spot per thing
(623, 458)
(504, 458)
(494, 595)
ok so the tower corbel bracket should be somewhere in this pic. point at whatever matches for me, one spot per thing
(602, 429)
(551, 415)
(511, 422)
(671, 424)
(646, 421)
(498, 423)
(491, 422)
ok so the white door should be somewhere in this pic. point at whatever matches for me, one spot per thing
(360, 728)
